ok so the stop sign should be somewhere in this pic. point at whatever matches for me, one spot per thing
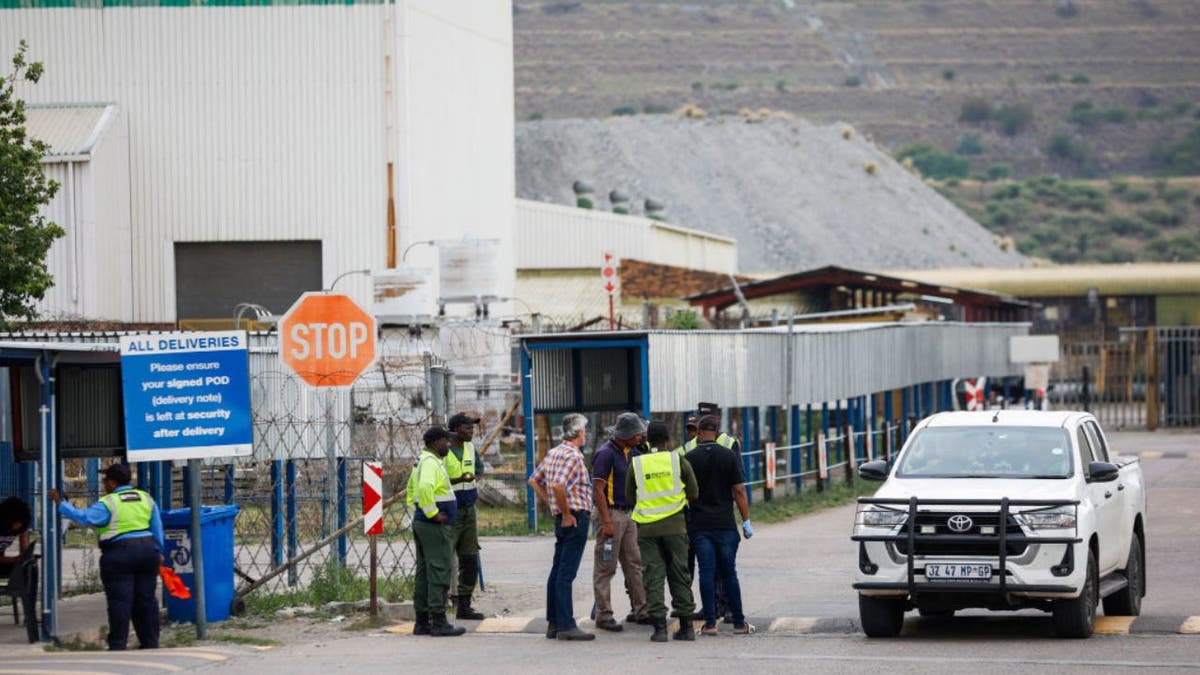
(327, 339)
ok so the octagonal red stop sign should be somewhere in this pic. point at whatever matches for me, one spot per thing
(327, 339)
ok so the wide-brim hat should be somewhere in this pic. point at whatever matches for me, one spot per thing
(628, 425)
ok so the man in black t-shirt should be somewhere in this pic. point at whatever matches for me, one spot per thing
(713, 530)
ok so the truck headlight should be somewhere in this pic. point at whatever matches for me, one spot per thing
(882, 517)
(1059, 518)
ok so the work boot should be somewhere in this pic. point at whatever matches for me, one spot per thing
(441, 628)
(660, 630)
(551, 630)
(464, 610)
(686, 630)
(576, 635)
(422, 626)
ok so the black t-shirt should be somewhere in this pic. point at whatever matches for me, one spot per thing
(717, 471)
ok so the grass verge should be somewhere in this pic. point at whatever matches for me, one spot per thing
(781, 509)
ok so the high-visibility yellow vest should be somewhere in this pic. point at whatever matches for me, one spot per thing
(723, 439)
(129, 511)
(429, 489)
(465, 493)
(659, 486)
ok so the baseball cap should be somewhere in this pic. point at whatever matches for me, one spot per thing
(459, 419)
(434, 434)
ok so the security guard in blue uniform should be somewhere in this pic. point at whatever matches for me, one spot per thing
(131, 545)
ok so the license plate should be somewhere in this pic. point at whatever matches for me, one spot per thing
(957, 571)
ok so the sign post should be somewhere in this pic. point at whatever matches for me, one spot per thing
(328, 340)
(187, 396)
(608, 275)
(372, 506)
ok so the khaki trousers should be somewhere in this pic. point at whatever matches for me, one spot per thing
(625, 552)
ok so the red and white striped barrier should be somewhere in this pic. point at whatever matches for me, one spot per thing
(372, 498)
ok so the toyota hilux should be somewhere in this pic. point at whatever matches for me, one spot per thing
(1002, 510)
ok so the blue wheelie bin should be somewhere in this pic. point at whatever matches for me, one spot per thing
(216, 532)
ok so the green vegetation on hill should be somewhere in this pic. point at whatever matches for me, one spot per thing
(1117, 220)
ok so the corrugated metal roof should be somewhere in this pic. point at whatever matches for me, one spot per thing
(69, 129)
(830, 362)
(1071, 280)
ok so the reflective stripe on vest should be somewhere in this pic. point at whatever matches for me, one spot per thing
(128, 511)
(659, 486)
(456, 467)
(726, 441)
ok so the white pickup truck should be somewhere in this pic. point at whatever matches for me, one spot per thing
(1002, 510)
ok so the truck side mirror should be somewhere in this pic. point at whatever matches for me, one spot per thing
(877, 471)
(1103, 472)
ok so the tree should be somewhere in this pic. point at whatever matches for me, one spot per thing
(25, 234)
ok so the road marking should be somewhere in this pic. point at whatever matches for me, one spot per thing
(1193, 455)
(1113, 625)
(154, 665)
(195, 654)
(503, 624)
(1191, 626)
(400, 629)
(1150, 454)
(56, 672)
(794, 624)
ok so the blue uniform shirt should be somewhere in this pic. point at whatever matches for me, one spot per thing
(97, 515)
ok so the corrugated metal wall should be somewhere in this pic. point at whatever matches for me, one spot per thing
(244, 122)
(747, 368)
(550, 236)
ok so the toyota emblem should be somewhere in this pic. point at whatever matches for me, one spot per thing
(959, 523)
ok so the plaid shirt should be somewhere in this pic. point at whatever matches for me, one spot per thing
(564, 465)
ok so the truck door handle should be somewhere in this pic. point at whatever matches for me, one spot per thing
(1108, 495)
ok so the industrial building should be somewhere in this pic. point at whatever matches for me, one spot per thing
(245, 152)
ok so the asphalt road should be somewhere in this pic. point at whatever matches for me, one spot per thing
(799, 569)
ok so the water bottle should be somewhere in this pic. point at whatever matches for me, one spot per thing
(608, 551)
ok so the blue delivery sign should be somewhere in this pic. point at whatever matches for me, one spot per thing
(187, 395)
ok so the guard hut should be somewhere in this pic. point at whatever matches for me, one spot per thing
(59, 400)
(887, 371)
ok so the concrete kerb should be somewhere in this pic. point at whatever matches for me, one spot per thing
(795, 625)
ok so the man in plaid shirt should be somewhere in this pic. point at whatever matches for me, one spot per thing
(562, 479)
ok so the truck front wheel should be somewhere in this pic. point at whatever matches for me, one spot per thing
(1076, 618)
(1128, 600)
(881, 617)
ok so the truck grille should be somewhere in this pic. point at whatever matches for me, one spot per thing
(939, 521)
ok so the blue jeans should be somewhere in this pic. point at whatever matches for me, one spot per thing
(569, 543)
(716, 554)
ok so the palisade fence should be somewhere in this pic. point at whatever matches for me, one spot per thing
(304, 480)
(1137, 378)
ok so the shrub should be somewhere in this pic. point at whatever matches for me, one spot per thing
(1174, 249)
(683, 320)
(1011, 191)
(781, 86)
(1123, 226)
(852, 81)
(624, 110)
(533, 117)
(1062, 146)
(1182, 157)
(934, 163)
(1134, 195)
(1083, 197)
(975, 110)
(1084, 114)
(1054, 78)
(1014, 117)
(969, 144)
(655, 108)
(1180, 108)
(1176, 196)
(1080, 78)
(999, 171)
(1116, 115)
(1161, 217)
(1146, 99)
(727, 85)
(948, 74)
(697, 86)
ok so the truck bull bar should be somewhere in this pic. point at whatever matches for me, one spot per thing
(1002, 540)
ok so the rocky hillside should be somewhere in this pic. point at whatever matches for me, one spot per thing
(1117, 78)
(795, 195)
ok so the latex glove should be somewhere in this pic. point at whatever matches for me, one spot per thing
(747, 529)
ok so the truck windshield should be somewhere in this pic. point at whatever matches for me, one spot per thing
(988, 452)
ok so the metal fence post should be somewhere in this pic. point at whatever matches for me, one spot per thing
(277, 512)
(747, 448)
(341, 508)
(796, 466)
(229, 476)
(292, 528)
